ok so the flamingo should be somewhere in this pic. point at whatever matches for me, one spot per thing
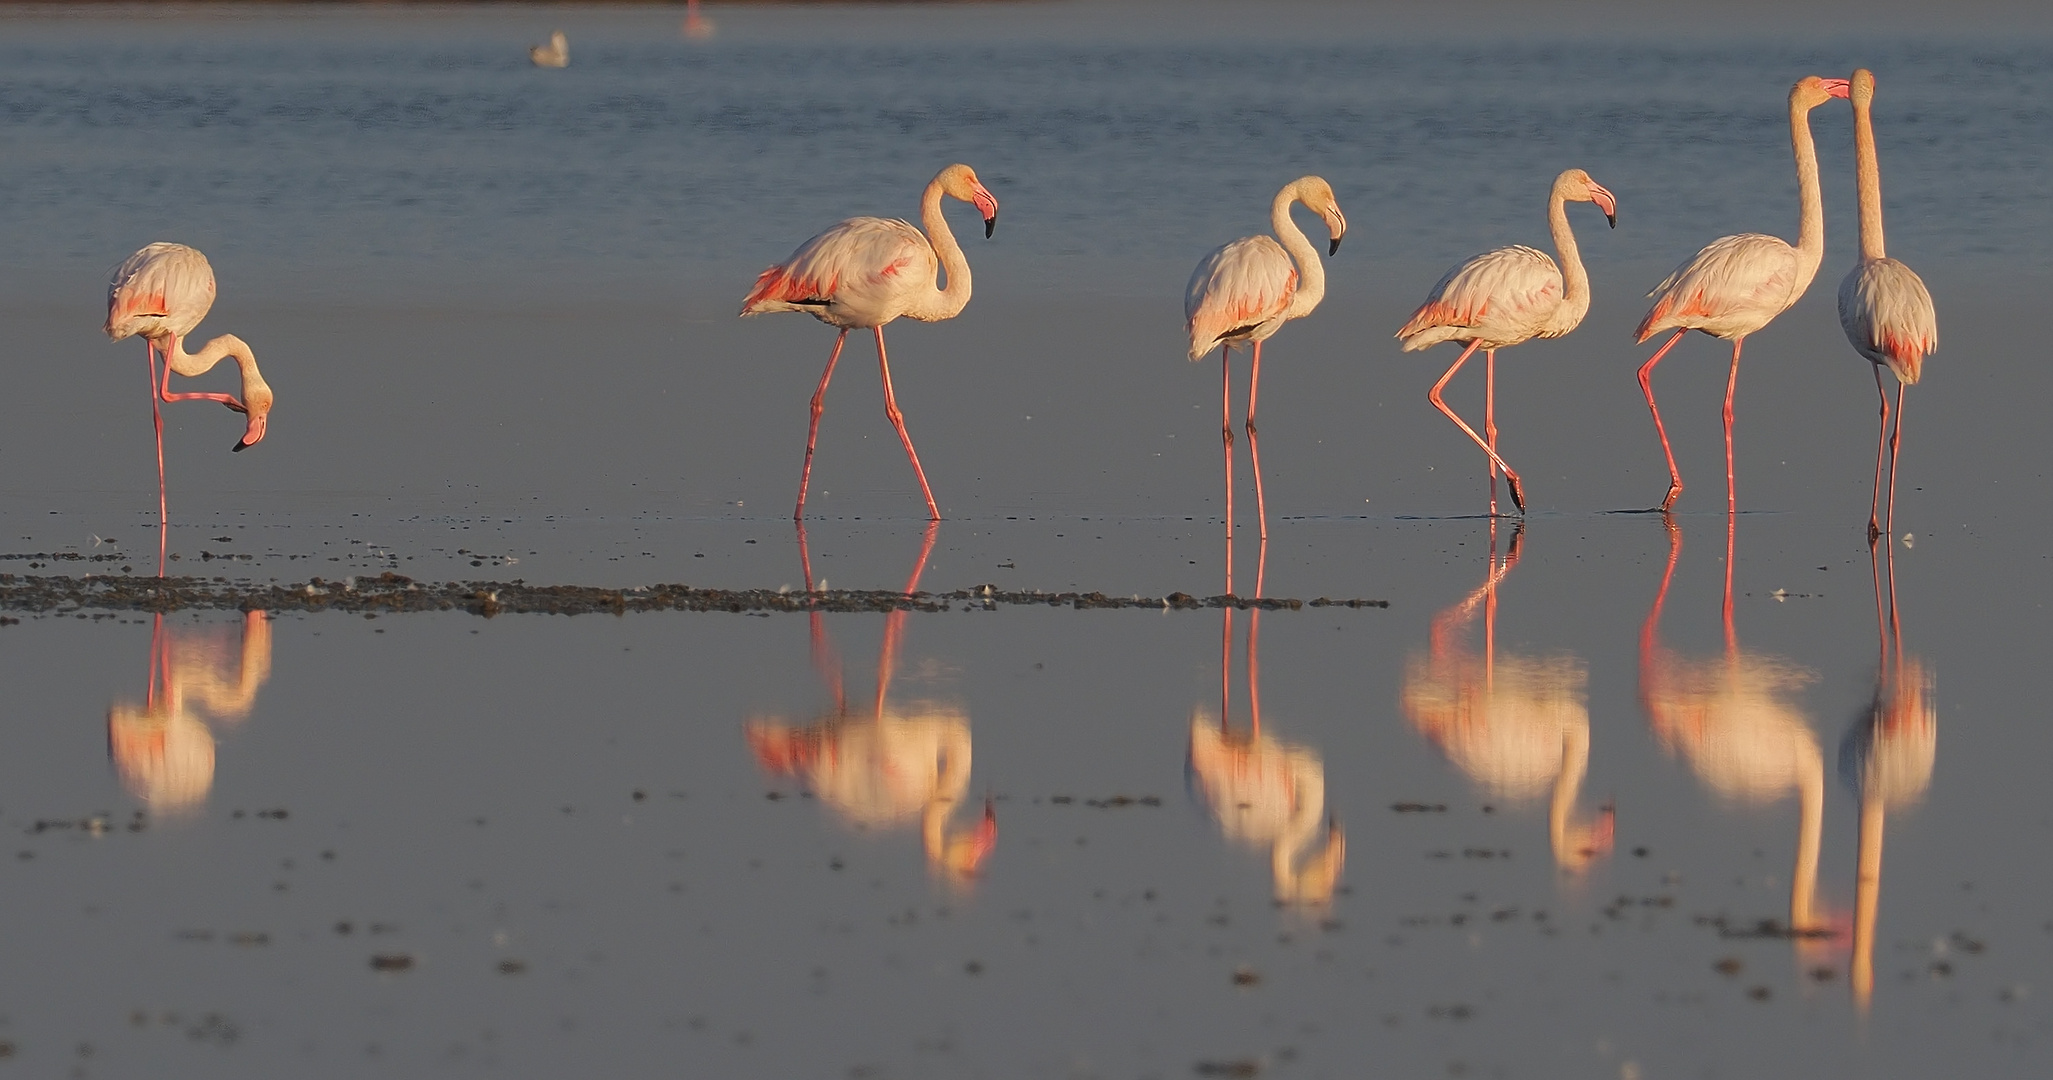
(1503, 297)
(163, 749)
(1245, 291)
(1738, 284)
(696, 25)
(884, 765)
(868, 271)
(1883, 304)
(555, 54)
(161, 293)
(1517, 725)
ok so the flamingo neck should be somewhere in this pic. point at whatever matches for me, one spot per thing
(227, 346)
(1575, 763)
(1803, 879)
(947, 302)
(1867, 173)
(1867, 897)
(1311, 270)
(1575, 295)
(1810, 229)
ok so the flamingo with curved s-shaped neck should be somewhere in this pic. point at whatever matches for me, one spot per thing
(1884, 306)
(1738, 284)
(1503, 297)
(1241, 294)
(868, 271)
(161, 293)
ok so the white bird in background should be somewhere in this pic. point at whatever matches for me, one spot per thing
(161, 293)
(1883, 305)
(1245, 291)
(555, 54)
(868, 271)
(1503, 297)
(1738, 284)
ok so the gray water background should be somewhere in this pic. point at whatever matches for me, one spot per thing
(497, 306)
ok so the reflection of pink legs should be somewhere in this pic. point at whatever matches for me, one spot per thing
(813, 435)
(898, 421)
(1647, 388)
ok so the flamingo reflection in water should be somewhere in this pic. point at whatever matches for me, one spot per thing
(1736, 720)
(163, 749)
(1265, 792)
(1517, 725)
(1887, 758)
(885, 765)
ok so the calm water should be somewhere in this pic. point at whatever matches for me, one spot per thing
(497, 306)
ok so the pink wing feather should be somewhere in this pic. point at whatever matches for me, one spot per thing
(1503, 296)
(1731, 288)
(162, 287)
(1887, 314)
(860, 264)
(1237, 289)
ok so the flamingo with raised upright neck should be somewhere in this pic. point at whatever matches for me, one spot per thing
(1241, 294)
(1883, 305)
(1503, 297)
(868, 271)
(160, 294)
(1738, 284)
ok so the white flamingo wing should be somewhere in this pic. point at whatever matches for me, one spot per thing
(1731, 288)
(862, 272)
(163, 287)
(1499, 297)
(1238, 293)
(1887, 314)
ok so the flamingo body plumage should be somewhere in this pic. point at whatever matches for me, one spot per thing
(1243, 292)
(866, 272)
(1738, 284)
(1506, 296)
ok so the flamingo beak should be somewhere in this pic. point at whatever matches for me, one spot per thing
(1333, 248)
(988, 206)
(1606, 202)
(252, 435)
(1838, 88)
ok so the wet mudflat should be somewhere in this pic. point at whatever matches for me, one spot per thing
(1550, 812)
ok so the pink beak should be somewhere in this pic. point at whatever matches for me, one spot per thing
(1838, 88)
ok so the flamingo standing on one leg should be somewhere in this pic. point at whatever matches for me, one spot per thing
(161, 293)
(868, 271)
(1883, 304)
(1503, 297)
(1245, 291)
(1738, 284)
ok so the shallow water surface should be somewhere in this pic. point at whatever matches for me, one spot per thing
(1602, 794)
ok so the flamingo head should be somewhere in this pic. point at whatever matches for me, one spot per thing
(1317, 195)
(1861, 88)
(1811, 91)
(960, 182)
(1575, 185)
(256, 408)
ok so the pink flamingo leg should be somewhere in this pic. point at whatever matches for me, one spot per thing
(1731, 384)
(1226, 435)
(1254, 451)
(165, 391)
(1881, 440)
(1895, 445)
(1433, 395)
(1647, 388)
(157, 419)
(1490, 417)
(813, 436)
(898, 421)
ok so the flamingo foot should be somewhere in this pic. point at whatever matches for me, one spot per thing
(1674, 491)
(1517, 493)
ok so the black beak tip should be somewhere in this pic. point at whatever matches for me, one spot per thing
(239, 446)
(990, 226)
(1333, 248)
(1612, 219)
